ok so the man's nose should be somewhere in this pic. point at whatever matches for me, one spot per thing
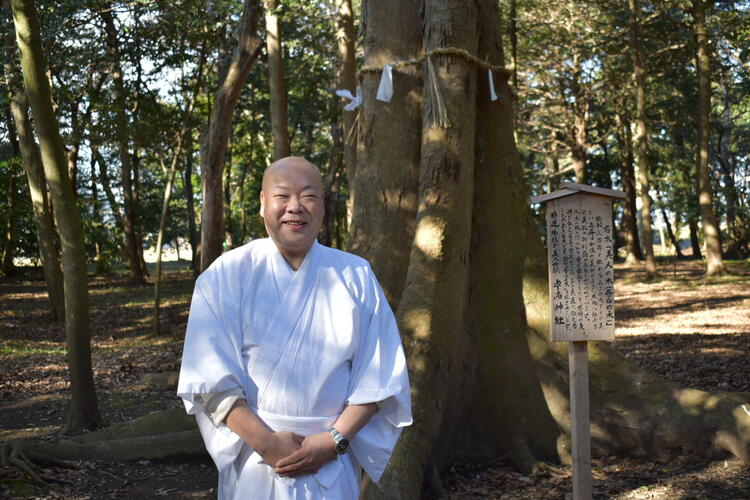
(294, 205)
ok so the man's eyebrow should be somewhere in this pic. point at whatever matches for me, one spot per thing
(304, 188)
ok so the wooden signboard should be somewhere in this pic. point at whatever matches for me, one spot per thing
(581, 290)
(581, 277)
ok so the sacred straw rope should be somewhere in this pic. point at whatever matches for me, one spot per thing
(443, 51)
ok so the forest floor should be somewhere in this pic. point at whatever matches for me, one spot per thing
(688, 328)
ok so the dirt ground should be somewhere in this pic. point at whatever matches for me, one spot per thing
(692, 330)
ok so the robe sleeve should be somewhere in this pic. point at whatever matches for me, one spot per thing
(211, 362)
(379, 375)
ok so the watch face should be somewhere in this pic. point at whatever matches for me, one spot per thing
(342, 446)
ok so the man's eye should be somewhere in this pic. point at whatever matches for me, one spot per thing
(281, 196)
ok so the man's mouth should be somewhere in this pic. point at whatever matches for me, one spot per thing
(294, 223)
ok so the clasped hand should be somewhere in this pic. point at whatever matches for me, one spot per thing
(292, 455)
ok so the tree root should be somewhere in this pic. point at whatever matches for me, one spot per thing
(13, 456)
(159, 435)
(638, 413)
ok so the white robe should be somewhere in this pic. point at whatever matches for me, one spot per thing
(302, 345)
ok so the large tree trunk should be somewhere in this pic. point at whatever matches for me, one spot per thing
(279, 123)
(714, 261)
(388, 149)
(515, 419)
(133, 248)
(641, 137)
(433, 306)
(346, 36)
(633, 251)
(83, 411)
(217, 137)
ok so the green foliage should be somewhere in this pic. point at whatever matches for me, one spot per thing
(574, 55)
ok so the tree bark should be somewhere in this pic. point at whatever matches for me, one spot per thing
(107, 186)
(44, 225)
(279, 123)
(670, 233)
(195, 262)
(84, 413)
(346, 37)
(212, 154)
(433, 306)
(9, 240)
(98, 224)
(640, 138)
(633, 251)
(714, 261)
(515, 418)
(388, 150)
(132, 243)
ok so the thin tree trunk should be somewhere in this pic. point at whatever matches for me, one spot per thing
(553, 164)
(346, 37)
(190, 207)
(9, 240)
(695, 243)
(130, 229)
(184, 132)
(107, 186)
(228, 229)
(84, 413)
(98, 224)
(737, 241)
(579, 140)
(641, 137)
(432, 310)
(279, 124)
(670, 233)
(714, 262)
(78, 125)
(387, 178)
(212, 154)
(49, 251)
(514, 44)
(331, 190)
(627, 173)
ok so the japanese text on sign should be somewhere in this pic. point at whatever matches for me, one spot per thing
(581, 275)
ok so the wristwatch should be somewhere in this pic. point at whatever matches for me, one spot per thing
(342, 444)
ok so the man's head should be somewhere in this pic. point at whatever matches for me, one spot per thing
(291, 204)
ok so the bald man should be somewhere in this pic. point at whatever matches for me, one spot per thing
(293, 365)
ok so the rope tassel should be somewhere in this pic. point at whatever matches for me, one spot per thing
(435, 103)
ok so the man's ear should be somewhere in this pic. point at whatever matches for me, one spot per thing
(262, 202)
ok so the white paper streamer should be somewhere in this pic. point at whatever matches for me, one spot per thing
(493, 95)
(355, 101)
(385, 89)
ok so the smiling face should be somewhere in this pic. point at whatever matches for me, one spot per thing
(291, 204)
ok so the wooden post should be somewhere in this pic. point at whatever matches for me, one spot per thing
(578, 358)
(581, 292)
